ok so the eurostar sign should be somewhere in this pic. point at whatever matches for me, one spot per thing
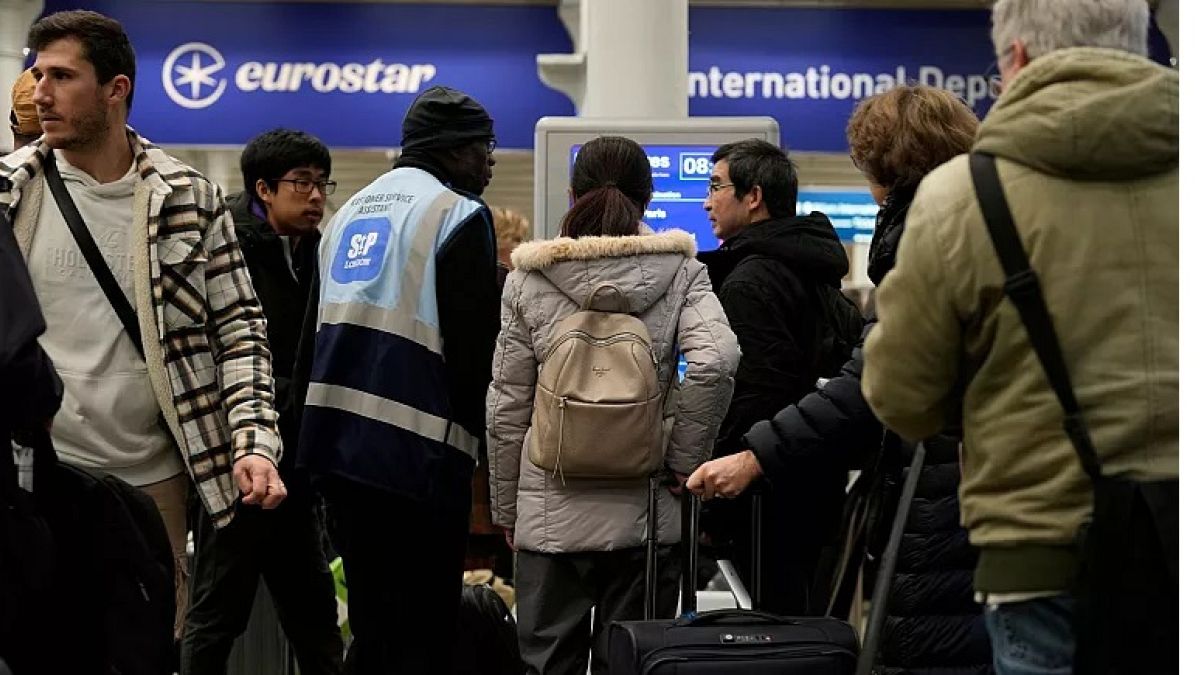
(191, 76)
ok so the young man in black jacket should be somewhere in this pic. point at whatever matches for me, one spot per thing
(778, 276)
(286, 179)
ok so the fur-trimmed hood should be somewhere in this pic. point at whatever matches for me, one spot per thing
(643, 266)
(538, 255)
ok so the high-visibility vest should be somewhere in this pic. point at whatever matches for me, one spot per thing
(378, 405)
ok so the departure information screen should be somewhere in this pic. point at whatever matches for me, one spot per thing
(681, 174)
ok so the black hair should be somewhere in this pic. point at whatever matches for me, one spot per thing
(270, 155)
(756, 162)
(612, 185)
(105, 44)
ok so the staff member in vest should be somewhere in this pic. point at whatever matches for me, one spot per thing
(406, 322)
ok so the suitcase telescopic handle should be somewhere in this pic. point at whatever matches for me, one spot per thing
(690, 543)
(887, 566)
(651, 587)
(691, 552)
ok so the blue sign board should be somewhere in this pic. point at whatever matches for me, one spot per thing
(807, 68)
(220, 73)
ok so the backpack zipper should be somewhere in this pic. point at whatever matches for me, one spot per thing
(604, 342)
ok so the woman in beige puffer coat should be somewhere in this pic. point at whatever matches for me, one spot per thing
(581, 543)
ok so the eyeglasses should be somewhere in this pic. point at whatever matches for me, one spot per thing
(992, 75)
(491, 145)
(305, 186)
(713, 187)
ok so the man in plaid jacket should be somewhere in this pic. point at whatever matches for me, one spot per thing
(199, 402)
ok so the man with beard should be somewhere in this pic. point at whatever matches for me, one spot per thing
(166, 370)
(406, 324)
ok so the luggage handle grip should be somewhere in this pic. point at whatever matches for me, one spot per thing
(718, 616)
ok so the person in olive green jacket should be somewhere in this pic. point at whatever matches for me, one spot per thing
(1086, 139)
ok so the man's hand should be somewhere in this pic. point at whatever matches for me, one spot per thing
(259, 481)
(508, 539)
(725, 477)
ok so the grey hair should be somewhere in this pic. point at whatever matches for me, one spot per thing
(1044, 26)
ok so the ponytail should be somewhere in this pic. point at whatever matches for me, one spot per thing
(602, 212)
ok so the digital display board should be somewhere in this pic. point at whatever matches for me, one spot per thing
(679, 151)
(852, 211)
(680, 174)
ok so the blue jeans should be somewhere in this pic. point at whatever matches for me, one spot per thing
(1034, 637)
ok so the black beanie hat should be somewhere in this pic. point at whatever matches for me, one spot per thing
(442, 117)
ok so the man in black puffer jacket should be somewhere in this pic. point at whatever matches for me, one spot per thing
(778, 277)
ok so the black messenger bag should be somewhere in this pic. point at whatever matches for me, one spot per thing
(1127, 610)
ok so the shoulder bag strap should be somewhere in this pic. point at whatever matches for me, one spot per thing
(91, 253)
(1022, 287)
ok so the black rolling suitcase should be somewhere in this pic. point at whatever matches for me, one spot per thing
(727, 641)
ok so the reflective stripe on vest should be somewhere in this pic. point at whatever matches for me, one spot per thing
(396, 414)
(384, 320)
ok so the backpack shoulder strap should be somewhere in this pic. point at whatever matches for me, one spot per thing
(1022, 287)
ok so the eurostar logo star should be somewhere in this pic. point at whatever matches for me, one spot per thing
(188, 75)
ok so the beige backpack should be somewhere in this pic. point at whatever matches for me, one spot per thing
(598, 408)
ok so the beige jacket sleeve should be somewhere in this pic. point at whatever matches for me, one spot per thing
(509, 402)
(912, 357)
(711, 351)
(237, 330)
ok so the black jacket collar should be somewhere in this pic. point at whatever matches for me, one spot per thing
(889, 225)
(808, 245)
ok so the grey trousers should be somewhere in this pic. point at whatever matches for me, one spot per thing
(556, 593)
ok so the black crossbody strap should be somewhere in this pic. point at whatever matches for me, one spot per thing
(91, 253)
(1021, 285)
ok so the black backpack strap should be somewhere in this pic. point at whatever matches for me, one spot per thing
(1022, 287)
(91, 253)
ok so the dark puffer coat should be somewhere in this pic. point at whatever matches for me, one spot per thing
(934, 624)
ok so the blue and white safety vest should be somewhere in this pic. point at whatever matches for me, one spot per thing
(378, 406)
